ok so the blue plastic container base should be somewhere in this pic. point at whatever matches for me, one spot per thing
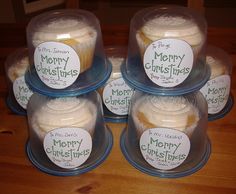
(224, 111)
(113, 118)
(161, 173)
(15, 107)
(87, 81)
(83, 168)
(136, 78)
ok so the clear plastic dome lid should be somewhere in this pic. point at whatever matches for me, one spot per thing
(66, 53)
(217, 89)
(67, 135)
(166, 50)
(117, 56)
(166, 135)
(17, 64)
(19, 93)
(219, 61)
(116, 93)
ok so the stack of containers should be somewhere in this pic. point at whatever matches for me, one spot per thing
(166, 133)
(67, 133)
(116, 94)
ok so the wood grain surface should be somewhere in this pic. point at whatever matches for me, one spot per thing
(115, 175)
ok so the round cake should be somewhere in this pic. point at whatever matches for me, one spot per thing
(115, 74)
(116, 63)
(18, 68)
(217, 67)
(164, 111)
(64, 112)
(170, 27)
(75, 33)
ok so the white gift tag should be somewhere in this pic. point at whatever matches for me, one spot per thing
(168, 62)
(116, 96)
(21, 92)
(56, 64)
(216, 92)
(164, 148)
(68, 147)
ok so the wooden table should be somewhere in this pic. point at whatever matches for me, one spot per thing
(115, 175)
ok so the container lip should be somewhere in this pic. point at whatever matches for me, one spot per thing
(96, 163)
(224, 111)
(184, 88)
(160, 173)
(41, 88)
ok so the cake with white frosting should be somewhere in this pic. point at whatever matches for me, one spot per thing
(64, 112)
(177, 27)
(73, 32)
(217, 67)
(116, 63)
(116, 73)
(165, 112)
(18, 68)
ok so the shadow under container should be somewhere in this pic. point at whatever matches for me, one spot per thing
(19, 93)
(66, 53)
(217, 90)
(67, 135)
(116, 94)
(166, 135)
(166, 51)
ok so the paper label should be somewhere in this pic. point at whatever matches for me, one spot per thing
(216, 92)
(168, 62)
(21, 92)
(116, 96)
(68, 147)
(164, 148)
(57, 64)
